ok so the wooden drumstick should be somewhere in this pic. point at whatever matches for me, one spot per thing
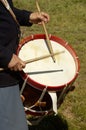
(46, 33)
(42, 57)
(38, 58)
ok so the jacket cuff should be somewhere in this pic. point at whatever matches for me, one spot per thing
(25, 20)
(23, 17)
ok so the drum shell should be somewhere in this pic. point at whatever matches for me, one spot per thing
(31, 96)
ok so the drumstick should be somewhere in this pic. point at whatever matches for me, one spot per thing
(46, 33)
(38, 58)
(42, 57)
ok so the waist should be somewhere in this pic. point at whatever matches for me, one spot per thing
(8, 78)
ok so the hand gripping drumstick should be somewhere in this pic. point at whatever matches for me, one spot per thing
(46, 33)
(38, 58)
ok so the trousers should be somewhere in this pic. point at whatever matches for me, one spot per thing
(12, 115)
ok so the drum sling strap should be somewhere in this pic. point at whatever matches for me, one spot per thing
(7, 6)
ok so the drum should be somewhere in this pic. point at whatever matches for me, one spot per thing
(43, 73)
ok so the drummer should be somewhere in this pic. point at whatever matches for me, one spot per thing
(12, 116)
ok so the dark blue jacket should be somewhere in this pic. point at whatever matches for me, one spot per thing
(9, 40)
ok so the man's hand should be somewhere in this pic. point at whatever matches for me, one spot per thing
(38, 18)
(16, 63)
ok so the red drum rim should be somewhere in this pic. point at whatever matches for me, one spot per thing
(61, 42)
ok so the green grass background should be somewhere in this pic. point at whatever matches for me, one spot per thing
(68, 21)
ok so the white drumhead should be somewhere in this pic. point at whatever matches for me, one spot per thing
(45, 71)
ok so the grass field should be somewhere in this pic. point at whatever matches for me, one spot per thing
(68, 21)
